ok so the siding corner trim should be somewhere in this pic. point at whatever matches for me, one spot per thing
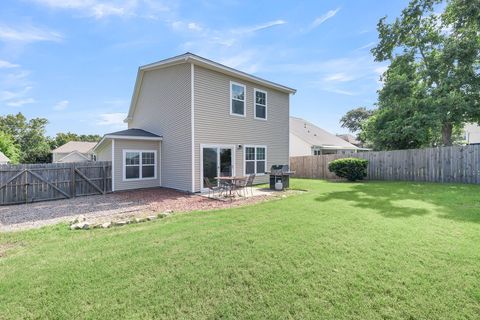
(192, 121)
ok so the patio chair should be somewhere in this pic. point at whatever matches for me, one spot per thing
(245, 184)
(211, 187)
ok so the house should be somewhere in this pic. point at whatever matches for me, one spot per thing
(74, 151)
(3, 158)
(350, 139)
(308, 139)
(191, 118)
(472, 133)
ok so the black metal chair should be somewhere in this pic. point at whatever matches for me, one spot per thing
(245, 184)
(211, 187)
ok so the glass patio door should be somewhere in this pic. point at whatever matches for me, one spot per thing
(217, 162)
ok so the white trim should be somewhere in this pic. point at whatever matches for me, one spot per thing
(244, 99)
(113, 165)
(109, 136)
(217, 146)
(73, 152)
(192, 94)
(124, 166)
(255, 161)
(255, 90)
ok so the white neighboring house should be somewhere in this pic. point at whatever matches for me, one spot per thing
(3, 158)
(472, 133)
(307, 139)
(74, 151)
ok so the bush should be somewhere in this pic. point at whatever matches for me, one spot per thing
(352, 169)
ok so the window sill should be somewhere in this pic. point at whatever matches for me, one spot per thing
(237, 115)
(138, 179)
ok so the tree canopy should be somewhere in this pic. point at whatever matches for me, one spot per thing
(25, 141)
(432, 86)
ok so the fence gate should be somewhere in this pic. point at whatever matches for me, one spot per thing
(53, 181)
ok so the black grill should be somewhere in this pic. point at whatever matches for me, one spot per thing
(280, 173)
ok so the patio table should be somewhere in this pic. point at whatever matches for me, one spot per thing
(231, 182)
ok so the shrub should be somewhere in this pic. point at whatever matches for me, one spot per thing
(352, 169)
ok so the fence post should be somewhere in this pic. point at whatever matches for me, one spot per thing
(104, 172)
(72, 180)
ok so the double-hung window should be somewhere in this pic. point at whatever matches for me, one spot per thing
(260, 99)
(237, 99)
(139, 164)
(255, 160)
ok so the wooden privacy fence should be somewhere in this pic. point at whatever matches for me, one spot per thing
(446, 164)
(26, 183)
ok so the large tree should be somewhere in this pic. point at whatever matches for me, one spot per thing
(61, 138)
(9, 148)
(29, 136)
(438, 84)
(354, 119)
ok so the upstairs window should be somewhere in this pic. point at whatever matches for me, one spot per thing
(260, 104)
(237, 99)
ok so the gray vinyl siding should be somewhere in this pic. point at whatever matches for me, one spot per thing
(104, 153)
(164, 108)
(120, 146)
(215, 125)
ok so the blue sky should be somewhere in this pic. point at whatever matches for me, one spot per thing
(74, 62)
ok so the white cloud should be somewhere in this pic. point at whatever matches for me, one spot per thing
(7, 65)
(7, 95)
(100, 9)
(20, 102)
(194, 26)
(338, 77)
(61, 105)
(328, 15)
(28, 34)
(259, 27)
(368, 45)
(113, 119)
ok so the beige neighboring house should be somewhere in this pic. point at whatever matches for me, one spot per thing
(191, 118)
(74, 151)
(350, 139)
(472, 133)
(3, 158)
(307, 139)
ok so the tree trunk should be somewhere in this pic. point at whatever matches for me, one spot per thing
(447, 129)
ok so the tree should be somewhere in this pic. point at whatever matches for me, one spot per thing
(9, 148)
(29, 136)
(354, 119)
(443, 56)
(62, 138)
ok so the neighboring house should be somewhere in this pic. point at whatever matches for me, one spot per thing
(350, 139)
(191, 118)
(74, 151)
(472, 133)
(3, 158)
(308, 139)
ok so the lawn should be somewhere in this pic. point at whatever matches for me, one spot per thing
(374, 250)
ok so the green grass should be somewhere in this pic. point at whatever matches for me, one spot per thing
(373, 250)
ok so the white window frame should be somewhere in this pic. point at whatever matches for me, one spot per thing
(124, 165)
(255, 104)
(244, 99)
(255, 161)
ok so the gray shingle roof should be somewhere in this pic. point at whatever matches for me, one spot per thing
(80, 146)
(134, 133)
(316, 136)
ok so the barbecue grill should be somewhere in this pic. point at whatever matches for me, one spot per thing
(280, 173)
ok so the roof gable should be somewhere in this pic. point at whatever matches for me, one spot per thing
(79, 146)
(203, 62)
(316, 136)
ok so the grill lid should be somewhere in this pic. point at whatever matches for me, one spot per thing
(280, 169)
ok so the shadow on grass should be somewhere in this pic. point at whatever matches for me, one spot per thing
(403, 199)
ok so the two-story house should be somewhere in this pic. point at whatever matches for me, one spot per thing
(191, 118)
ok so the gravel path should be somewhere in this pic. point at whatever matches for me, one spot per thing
(102, 208)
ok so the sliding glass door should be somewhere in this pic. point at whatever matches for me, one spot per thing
(217, 161)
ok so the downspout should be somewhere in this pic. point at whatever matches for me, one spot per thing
(113, 165)
(192, 118)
